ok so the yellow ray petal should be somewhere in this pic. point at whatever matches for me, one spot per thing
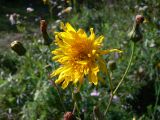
(92, 35)
(56, 72)
(82, 33)
(93, 75)
(62, 26)
(59, 80)
(57, 57)
(102, 52)
(65, 84)
(69, 27)
(99, 40)
(82, 62)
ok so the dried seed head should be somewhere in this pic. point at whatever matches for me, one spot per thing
(18, 48)
(69, 116)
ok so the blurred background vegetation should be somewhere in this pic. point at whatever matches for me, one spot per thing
(27, 93)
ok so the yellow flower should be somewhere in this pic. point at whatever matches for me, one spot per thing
(79, 56)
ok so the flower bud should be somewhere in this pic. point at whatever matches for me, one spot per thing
(139, 19)
(43, 28)
(69, 116)
(136, 34)
(18, 48)
(112, 65)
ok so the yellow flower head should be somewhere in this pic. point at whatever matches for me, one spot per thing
(79, 56)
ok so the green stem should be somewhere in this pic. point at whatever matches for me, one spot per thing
(157, 98)
(111, 87)
(75, 104)
(122, 79)
(127, 69)
(109, 104)
(59, 96)
(110, 81)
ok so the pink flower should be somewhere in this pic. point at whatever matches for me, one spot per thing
(95, 93)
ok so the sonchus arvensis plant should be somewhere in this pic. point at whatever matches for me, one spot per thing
(78, 56)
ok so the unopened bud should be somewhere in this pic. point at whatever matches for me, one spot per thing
(136, 34)
(69, 116)
(112, 65)
(139, 19)
(18, 48)
(43, 28)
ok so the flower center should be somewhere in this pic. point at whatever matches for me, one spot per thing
(82, 56)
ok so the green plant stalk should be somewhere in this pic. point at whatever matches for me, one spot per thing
(122, 79)
(156, 104)
(75, 107)
(109, 104)
(157, 99)
(75, 104)
(59, 96)
(111, 87)
(110, 81)
(127, 69)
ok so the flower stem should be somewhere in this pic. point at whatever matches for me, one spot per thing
(110, 100)
(127, 69)
(59, 95)
(110, 81)
(122, 79)
(75, 104)
(111, 87)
